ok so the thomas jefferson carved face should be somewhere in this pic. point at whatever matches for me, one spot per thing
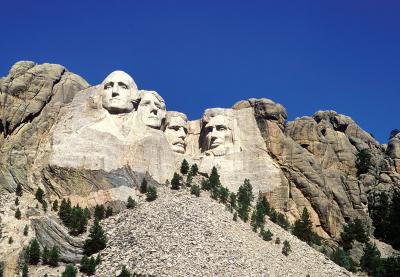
(119, 93)
(151, 109)
(218, 134)
(176, 132)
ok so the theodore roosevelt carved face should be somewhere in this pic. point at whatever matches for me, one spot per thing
(119, 93)
(151, 109)
(176, 131)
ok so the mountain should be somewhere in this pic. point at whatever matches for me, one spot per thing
(96, 144)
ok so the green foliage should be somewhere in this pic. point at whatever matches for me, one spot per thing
(223, 194)
(189, 179)
(25, 270)
(17, 214)
(303, 229)
(184, 167)
(232, 200)
(18, 190)
(109, 211)
(194, 169)
(26, 230)
(87, 265)
(55, 205)
(371, 260)
(393, 229)
(195, 189)
(277, 240)
(65, 211)
(354, 230)
(70, 271)
(205, 184)
(131, 203)
(379, 209)
(176, 181)
(45, 255)
(266, 235)
(16, 202)
(390, 267)
(341, 258)
(214, 178)
(10, 240)
(262, 208)
(279, 219)
(98, 259)
(97, 239)
(244, 198)
(99, 212)
(151, 194)
(143, 186)
(286, 249)
(39, 195)
(44, 205)
(124, 272)
(364, 161)
(34, 252)
(54, 256)
(77, 221)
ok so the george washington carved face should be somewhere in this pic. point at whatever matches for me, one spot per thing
(119, 93)
(176, 131)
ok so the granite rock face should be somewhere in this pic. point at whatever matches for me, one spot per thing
(31, 97)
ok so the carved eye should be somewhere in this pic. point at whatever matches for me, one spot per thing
(108, 85)
(122, 85)
(209, 129)
(221, 128)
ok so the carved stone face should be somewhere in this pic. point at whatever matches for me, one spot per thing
(218, 134)
(119, 93)
(151, 110)
(175, 133)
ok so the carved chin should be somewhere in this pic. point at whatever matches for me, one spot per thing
(152, 123)
(178, 149)
(218, 150)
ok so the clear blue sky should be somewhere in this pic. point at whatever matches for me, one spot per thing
(307, 55)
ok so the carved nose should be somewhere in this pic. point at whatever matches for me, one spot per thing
(114, 94)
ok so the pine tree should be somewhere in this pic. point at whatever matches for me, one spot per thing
(131, 203)
(70, 271)
(17, 214)
(151, 194)
(16, 201)
(18, 190)
(55, 205)
(98, 259)
(99, 212)
(194, 169)
(65, 211)
(214, 178)
(195, 189)
(205, 184)
(244, 198)
(97, 239)
(223, 194)
(266, 235)
(26, 229)
(303, 228)
(364, 161)
(340, 257)
(54, 256)
(45, 255)
(354, 230)
(184, 167)
(34, 252)
(143, 186)
(39, 195)
(87, 265)
(286, 249)
(394, 221)
(282, 221)
(44, 205)
(109, 211)
(176, 181)
(371, 259)
(25, 270)
(189, 179)
(232, 200)
(262, 207)
(124, 272)
(78, 221)
(10, 240)
(235, 216)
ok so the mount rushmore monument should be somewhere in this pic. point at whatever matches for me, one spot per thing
(95, 144)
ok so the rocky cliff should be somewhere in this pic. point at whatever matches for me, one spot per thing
(95, 145)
